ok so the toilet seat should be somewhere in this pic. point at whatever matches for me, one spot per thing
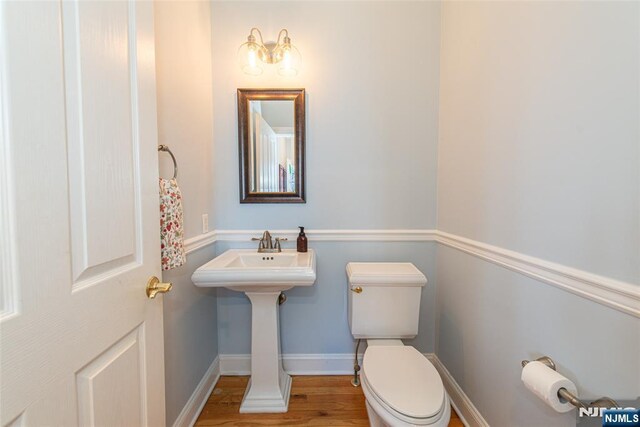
(405, 383)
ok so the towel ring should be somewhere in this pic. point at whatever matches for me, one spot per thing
(164, 148)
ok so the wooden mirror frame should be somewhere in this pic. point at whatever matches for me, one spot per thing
(298, 98)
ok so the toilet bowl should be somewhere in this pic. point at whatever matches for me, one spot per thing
(401, 386)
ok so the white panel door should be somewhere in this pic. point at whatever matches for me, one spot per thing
(267, 156)
(81, 344)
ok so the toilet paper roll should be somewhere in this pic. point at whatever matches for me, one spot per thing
(544, 382)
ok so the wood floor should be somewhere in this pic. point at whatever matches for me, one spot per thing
(315, 401)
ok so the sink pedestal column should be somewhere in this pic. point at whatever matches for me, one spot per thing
(270, 386)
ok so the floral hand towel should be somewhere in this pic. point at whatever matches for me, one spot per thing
(171, 228)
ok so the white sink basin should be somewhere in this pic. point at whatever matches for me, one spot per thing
(262, 277)
(246, 270)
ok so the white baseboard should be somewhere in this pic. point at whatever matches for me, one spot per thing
(196, 402)
(342, 364)
(294, 364)
(235, 364)
(469, 415)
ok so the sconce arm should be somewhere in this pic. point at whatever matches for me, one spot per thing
(286, 36)
(259, 33)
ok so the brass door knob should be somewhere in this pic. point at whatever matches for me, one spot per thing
(357, 290)
(155, 287)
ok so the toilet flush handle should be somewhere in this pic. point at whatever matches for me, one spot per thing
(357, 289)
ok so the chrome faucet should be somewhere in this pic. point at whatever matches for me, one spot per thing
(266, 243)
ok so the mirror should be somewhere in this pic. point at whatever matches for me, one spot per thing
(271, 132)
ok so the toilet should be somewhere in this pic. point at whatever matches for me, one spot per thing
(401, 386)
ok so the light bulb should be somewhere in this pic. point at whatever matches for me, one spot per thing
(286, 61)
(249, 58)
(252, 58)
(289, 64)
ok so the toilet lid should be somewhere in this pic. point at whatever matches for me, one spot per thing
(404, 379)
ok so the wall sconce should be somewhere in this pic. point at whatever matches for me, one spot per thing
(253, 54)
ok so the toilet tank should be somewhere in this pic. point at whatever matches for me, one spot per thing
(384, 299)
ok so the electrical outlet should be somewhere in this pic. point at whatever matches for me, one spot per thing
(205, 223)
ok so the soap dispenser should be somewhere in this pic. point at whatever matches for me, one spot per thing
(302, 241)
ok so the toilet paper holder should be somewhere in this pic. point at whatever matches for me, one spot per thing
(563, 393)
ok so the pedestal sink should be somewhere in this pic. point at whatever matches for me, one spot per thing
(262, 277)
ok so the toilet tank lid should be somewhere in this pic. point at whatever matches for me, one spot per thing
(385, 273)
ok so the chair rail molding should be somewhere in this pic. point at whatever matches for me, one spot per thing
(619, 295)
(200, 241)
(381, 235)
(613, 293)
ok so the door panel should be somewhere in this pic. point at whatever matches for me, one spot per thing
(110, 388)
(100, 135)
(80, 342)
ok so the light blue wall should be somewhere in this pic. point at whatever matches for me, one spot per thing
(371, 150)
(183, 79)
(546, 163)
(491, 318)
(370, 70)
(190, 332)
(314, 320)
